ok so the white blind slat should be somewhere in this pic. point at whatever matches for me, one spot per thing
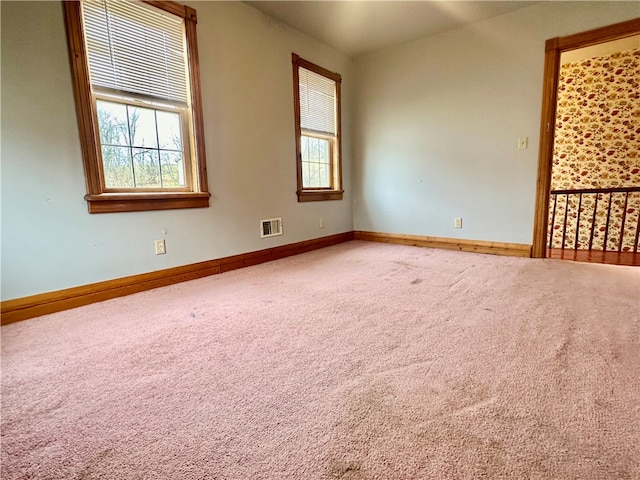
(136, 49)
(317, 102)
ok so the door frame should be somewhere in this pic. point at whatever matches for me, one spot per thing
(553, 48)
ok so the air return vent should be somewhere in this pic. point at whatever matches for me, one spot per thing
(270, 227)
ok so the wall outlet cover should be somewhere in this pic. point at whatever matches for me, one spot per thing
(161, 247)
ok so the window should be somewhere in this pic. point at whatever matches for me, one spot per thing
(318, 146)
(137, 92)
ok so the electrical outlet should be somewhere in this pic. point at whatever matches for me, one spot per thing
(457, 222)
(322, 223)
(161, 247)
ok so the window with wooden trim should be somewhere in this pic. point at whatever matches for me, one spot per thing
(317, 124)
(137, 93)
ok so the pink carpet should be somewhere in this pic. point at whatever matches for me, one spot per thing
(358, 361)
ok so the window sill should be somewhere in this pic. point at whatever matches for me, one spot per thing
(139, 202)
(319, 195)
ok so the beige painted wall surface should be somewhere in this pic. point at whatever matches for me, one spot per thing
(50, 242)
(438, 121)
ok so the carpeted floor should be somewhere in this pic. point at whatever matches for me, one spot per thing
(358, 361)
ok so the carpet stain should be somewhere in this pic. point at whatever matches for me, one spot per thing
(357, 435)
(417, 281)
(475, 405)
(406, 264)
(345, 470)
(430, 420)
(562, 351)
(98, 466)
(47, 407)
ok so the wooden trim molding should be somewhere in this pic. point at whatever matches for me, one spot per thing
(600, 35)
(135, 202)
(254, 258)
(553, 49)
(545, 151)
(477, 246)
(314, 196)
(51, 302)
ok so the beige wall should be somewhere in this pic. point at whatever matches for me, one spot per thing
(438, 120)
(432, 135)
(50, 242)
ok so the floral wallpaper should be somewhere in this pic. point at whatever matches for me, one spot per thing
(597, 145)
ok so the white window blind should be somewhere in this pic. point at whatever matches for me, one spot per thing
(136, 48)
(317, 102)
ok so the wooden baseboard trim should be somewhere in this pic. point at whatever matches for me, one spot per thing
(261, 256)
(51, 302)
(478, 246)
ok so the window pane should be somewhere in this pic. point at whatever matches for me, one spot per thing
(314, 175)
(304, 147)
(152, 166)
(323, 175)
(117, 167)
(172, 168)
(169, 132)
(312, 150)
(112, 123)
(305, 174)
(146, 167)
(323, 148)
(142, 123)
(316, 160)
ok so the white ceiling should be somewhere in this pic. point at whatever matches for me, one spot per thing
(355, 27)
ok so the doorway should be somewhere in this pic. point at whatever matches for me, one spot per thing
(582, 214)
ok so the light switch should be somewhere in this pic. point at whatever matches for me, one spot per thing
(522, 143)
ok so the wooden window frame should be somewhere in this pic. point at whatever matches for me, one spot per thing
(104, 200)
(335, 191)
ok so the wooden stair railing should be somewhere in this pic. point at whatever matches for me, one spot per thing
(600, 196)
